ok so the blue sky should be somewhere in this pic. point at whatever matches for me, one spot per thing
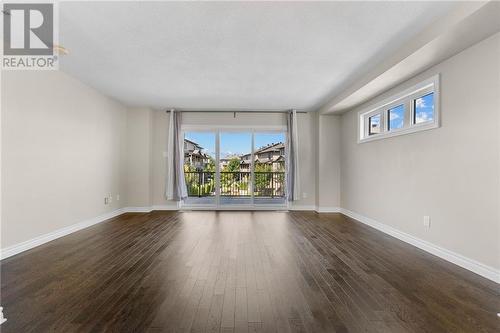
(396, 117)
(424, 111)
(424, 108)
(206, 140)
(234, 143)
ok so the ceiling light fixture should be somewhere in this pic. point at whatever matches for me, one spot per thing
(61, 50)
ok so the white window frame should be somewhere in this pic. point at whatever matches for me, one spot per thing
(406, 98)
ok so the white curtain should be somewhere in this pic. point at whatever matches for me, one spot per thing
(176, 184)
(293, 181)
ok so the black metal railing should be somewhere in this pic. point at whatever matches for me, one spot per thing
(236, 184)
(269, 184)
(200, 183)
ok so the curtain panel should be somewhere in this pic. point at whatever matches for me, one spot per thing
(292, 161)
(176, 183)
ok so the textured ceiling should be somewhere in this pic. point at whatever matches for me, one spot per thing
(233, 55)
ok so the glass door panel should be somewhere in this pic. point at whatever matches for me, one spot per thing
(235, 168)
(269, 168)
(199, 168)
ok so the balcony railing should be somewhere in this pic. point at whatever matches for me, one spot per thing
(200, 183)
(269, 184)
(236, 184)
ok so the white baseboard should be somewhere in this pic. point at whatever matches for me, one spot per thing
(37, 241)
(243, 207)
(455, 258)
(29, 244)
(327, 209)
(177, 206)
(301, 207)
(317, 209)
(460, 260)
(149, 209)
(137, 209)
(235, 208)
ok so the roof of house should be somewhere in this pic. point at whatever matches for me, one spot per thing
(194, 143)
(268, 148)
(196, 152)
(266, 160)
(269, 160)
(271, 147)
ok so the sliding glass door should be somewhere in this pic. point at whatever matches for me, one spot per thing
(269, 169)
(200, 168)
(235, 169)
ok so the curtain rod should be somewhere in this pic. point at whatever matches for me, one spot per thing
(233, 111)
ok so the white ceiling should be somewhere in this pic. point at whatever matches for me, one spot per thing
(238, 55)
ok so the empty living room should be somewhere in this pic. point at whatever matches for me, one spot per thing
(250, 166)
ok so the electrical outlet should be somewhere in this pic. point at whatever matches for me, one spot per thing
(110, 198)
(427, 222)
(304, 195)
(117, 197)
(106, 200)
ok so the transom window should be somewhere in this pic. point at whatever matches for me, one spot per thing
(412, 110)
(396, 117)
(374, 124)
(424, 109)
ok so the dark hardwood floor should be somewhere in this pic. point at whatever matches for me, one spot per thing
(240, 271)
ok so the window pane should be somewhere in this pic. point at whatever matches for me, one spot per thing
(269, 168)
(396, 117)
(424, 109)
(235, 159)
(374, 124)
(199, 167)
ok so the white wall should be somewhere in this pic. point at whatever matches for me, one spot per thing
(307, 132)
(242, 119)
(328, 163)
(139, 157)
(451, 173)
(62, 153)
